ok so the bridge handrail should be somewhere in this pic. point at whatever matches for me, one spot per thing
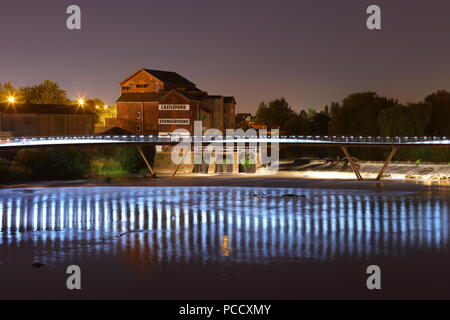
(334, 139)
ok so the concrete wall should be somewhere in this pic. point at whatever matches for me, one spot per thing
(164, 164)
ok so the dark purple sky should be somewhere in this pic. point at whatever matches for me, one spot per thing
(310, 52)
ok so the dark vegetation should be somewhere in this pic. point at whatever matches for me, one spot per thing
(66, 163)
(363, 114)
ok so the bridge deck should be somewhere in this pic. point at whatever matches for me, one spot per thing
(308, 141)
(343, 142)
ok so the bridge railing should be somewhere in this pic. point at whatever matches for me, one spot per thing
(283, 139)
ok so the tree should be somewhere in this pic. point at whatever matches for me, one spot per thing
(358, 114)
(47, 92)
(439, 124)
(241, 123)
(409, 120)
(107, 112)
(7, 90)
(96, 106)
(310, 113)
(296, 125)
(275, 113)
(263, 113)
(319, 124)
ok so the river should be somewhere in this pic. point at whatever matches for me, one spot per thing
(224, 242)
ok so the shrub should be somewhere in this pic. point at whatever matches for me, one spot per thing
(61, 163)
(10, 172)
(130, 159)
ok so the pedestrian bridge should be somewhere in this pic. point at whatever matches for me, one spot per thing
(343, 142)
(313, 141)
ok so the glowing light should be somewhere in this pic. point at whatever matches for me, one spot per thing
(97, 107)
(105, 107)
(81, 102)
(11, 99)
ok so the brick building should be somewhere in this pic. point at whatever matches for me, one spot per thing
(154, 101)
(32, 120)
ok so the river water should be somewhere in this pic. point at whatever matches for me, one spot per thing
(223, 242)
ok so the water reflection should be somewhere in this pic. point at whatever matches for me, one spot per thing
(165, 225)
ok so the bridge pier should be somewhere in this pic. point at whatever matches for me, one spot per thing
(146, 161)
(356, 170)
(386, 163)
(352, 163)
(182, 161)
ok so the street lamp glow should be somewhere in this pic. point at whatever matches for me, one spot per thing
(11, 99)
(105, 107)
(97, 107)
(81, 102)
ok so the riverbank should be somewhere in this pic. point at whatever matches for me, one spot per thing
(298, 173)
(283, 180)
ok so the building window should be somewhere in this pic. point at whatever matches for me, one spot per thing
(145, 85)
(138, 128)
(138, 116)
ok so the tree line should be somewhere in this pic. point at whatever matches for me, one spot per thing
(49, 92)
(365, 114)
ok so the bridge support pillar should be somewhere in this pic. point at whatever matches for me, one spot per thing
(182, 161)
(235, 162)
(146, 161)
(212, 163)
(386, 163)
(352, 163)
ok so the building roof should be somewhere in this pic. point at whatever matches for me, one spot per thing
(170, 77)
(229, 100)
(116, 131)
(43, 109)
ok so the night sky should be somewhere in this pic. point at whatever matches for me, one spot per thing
(310, 52)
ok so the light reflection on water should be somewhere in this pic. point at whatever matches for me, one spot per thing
(167, 225)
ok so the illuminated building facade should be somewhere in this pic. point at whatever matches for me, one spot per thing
(157, 102)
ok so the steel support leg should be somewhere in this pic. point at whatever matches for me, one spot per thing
(352, 163)
(386, 163)
(179, 165)
(146, 161)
